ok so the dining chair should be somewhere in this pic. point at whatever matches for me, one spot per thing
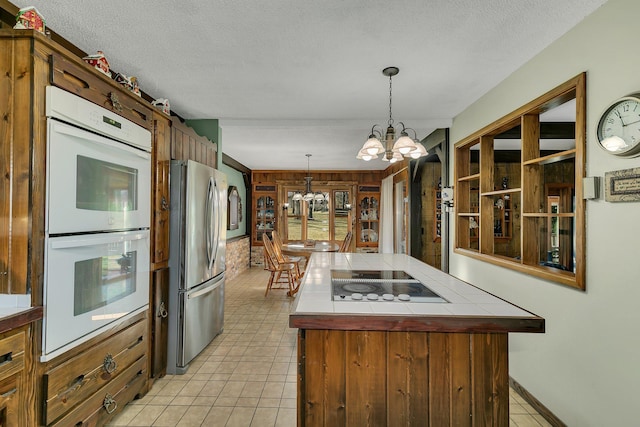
(278, 269)
(346, 243)
(297, 260)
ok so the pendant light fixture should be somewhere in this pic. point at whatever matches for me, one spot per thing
(308, 196)
(392, 150)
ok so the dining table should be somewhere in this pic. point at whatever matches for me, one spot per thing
(306, 248)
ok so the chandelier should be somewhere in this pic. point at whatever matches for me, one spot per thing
(392, 150)
(309, 195)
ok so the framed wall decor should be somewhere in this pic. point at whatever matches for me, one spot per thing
(234, 208)
(622, 185)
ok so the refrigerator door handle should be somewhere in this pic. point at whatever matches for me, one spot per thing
(216, 226)
(209, 226)
(205, 291)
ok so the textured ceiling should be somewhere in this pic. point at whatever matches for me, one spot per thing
(289, 77)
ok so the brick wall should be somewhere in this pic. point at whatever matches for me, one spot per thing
(237, 256)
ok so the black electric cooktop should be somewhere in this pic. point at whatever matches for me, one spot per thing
(380, 285)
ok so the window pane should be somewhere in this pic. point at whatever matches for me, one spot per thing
(318, 218)
(341, 202)
(294, 215)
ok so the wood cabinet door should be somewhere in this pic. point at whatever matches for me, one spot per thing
(161, 198)
(160, 322)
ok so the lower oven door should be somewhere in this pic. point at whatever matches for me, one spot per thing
(92, 281)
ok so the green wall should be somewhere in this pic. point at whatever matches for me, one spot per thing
(210, 129)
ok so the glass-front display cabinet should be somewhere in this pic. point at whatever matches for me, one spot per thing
(368, 216)
(264, 215)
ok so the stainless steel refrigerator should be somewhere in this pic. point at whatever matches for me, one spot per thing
(196, 260)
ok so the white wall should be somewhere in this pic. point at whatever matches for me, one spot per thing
(586, 367)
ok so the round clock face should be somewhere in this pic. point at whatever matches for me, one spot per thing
(619, 127)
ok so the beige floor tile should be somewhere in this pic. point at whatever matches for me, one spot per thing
(170, 416)
(264, 417)
(524, 420)
(273, 390)
(217, 416)
(147, 415)
(252, 389)
(286, 418)
(240, 417)
(232, 389)
(183, 401)
(127, 414)
(194, 416)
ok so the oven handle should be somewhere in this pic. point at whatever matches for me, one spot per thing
(95, 239)
(85, 135)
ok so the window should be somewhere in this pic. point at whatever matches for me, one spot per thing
(518, 188)
(326, 216)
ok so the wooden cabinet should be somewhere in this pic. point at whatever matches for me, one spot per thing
(264, 211)
(368, 216)
(161, 158)
(14, 407)
(186, 144)
(87, 384)
(159, 322)
(73, 387)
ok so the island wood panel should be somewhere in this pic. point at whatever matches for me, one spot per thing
(406, 391)
(402, 378)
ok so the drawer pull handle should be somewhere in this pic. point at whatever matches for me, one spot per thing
(162, 311)
(6, 358)
(109, 404)
(164, 204)
(8, 393)
(109, 364)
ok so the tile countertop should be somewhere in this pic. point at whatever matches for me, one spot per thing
(16, 311)
(468, 308)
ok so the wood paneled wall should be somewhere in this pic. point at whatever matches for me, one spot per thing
(318, 176)
(186, 144)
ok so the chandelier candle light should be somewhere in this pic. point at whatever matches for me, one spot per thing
(392, 151)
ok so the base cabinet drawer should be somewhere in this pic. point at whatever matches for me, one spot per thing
(108, 401)
(10, 401)
(73, 381)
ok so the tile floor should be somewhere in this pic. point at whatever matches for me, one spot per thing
(247, 376)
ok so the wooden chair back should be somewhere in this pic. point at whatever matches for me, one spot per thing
(346, 243)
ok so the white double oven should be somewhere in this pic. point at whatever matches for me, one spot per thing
(97, 221)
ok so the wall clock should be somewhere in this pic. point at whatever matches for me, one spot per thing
(619, 127)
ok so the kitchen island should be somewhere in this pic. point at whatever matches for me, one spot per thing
(374, 362)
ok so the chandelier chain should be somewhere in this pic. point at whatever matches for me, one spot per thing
(390, 94)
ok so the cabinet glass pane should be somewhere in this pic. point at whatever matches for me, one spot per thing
(368, 220)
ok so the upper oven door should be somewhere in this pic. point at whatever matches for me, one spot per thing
(95, 183)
